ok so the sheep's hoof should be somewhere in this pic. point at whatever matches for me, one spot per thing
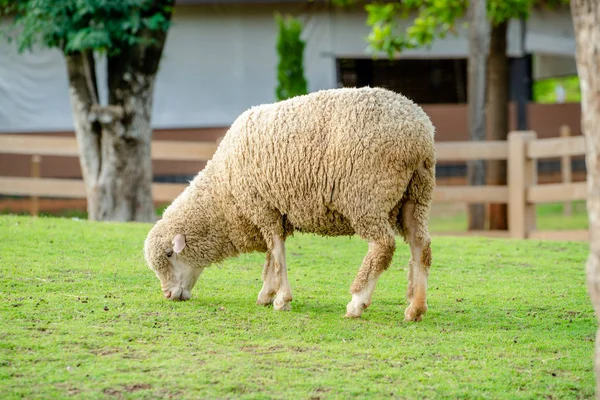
(265, 299)
(265, 303)
(277, 306)
(355, 308)
(414, 314)
(281, 304)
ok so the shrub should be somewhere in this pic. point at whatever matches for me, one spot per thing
(290, 48)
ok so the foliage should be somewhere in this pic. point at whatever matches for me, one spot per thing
(434, 19)
(544, 91)
(84, 317)
(290, 69)
(79, 25)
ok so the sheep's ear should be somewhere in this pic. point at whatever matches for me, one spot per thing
(178, 243)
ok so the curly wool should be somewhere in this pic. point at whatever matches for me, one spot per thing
(333, 162)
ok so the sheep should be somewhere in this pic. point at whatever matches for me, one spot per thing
(334, 162)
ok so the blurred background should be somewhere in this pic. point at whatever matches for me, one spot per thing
(221, 57)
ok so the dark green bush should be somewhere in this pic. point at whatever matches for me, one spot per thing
(290, 69)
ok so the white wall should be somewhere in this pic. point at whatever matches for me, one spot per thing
(33, 90)
(217, 62)
(220, 60)
(551, 32)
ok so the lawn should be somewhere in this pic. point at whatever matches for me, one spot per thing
(549, 216)
(83, 317)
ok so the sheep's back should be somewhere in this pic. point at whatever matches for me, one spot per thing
(321, 158)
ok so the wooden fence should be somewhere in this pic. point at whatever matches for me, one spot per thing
(522, 193)
(521, 150)
(39, 146)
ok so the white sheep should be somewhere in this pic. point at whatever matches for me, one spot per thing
(334, 162)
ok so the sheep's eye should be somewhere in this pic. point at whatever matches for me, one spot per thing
(169, 253)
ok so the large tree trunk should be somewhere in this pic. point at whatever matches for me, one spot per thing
(114, 141)
(478, 33)
(84, 95)
(586, 20)
(497, 114)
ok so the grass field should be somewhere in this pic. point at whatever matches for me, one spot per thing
(444, 217)
(549, 216)
(83, 317)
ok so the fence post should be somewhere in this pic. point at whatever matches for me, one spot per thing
(522, 173)
(565, 132)
(35, 173)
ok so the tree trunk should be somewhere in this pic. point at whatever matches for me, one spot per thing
(586, 21)
(478, 33)
(84, 95)
(114, 141)
(497, 113)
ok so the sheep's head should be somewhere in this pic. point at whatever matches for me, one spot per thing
(168, 255)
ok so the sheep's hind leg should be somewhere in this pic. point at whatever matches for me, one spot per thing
(270, 282)
(416, 233)
(284, 291)
(377, 260)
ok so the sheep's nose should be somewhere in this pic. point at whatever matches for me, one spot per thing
(167, 294)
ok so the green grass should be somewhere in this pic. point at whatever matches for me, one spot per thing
(549, 216)
(83, 317)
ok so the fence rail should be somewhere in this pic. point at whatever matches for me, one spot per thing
(522, 193)
(521, 151)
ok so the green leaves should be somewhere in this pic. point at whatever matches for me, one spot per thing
(88, 38)
(78, 25)
(500, 11)
(290, 47)
(381, 13)
(434, 19)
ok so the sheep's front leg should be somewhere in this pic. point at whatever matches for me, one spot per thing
(270, 282)
(284, 291)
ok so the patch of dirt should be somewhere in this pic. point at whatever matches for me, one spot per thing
(322, 390)
(254, 349)
(164, 394)
(69, 390)
(152, 314)
(250, 349)
(104, 352)
(112, 392)
(137, 386)
(127, 389)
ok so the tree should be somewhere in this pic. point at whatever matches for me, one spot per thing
(114, 140)
(290, 69)
(478, 38)
(586, 21)
(436, 19)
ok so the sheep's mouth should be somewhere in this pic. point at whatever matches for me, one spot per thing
(177, 294)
